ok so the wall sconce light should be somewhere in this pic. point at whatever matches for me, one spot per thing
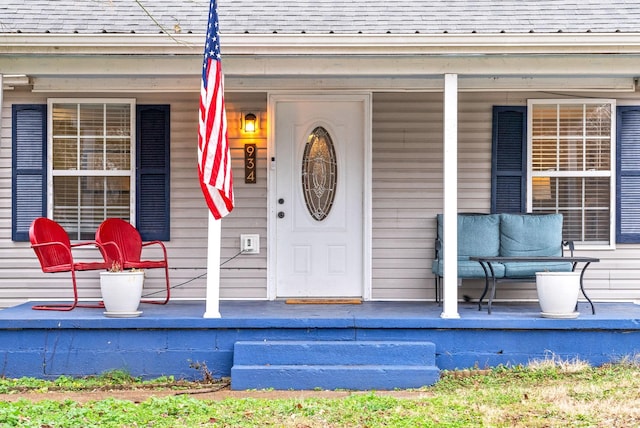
(249, 122)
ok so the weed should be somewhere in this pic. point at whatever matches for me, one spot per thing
(207, 376)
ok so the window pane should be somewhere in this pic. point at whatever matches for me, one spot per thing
(545, 157)
(118, 117)
(597, 226)
(571, 120)
(65, 153)
(65, 119)
(544, 192)
(598, 120)
(118, 154)
(545, 120)
(571, 155)
(569, 192)
(92, 154)
(597, 155)
(65, 204)
(91, 119)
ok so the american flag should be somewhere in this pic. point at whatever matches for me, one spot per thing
(214, 160)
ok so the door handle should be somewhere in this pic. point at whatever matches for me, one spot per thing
(281, 214)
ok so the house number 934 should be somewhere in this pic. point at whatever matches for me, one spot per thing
(250, 163)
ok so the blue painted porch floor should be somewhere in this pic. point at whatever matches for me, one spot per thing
(167, 340)
(270, 314)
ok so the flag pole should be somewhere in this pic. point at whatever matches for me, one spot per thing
(214, 158)
(212, 309)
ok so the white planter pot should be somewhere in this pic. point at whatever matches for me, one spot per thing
(121, 292)
(558, 293)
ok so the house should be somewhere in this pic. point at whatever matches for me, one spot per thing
(402, 79)
(420, 108)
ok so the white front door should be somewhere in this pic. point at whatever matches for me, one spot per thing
(319, 168)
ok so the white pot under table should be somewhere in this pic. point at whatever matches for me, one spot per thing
(558, 293)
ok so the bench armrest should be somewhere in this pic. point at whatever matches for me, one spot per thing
(438, 248)
(570, 245)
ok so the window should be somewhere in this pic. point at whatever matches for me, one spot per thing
(570, 168)
(91, 163)
(32, 168)
(319, 173)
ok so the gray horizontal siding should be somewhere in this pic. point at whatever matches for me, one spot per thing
(406, 196)
(243, 277)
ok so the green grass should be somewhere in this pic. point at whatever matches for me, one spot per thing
(547, 394)
(110, 379)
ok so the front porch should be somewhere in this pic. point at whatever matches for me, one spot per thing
(176, 340)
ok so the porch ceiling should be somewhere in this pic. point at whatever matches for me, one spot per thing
(148, 73)
(191, 84)
(483, 62)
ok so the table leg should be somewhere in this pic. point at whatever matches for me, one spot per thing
(486, 285)
(593, 309)
(493, 287)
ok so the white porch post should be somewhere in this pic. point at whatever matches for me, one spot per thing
(212, 309)
(450, 174)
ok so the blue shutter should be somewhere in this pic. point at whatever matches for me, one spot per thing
(628, 175)
(509, 160)
(29, 167)
(152, 172)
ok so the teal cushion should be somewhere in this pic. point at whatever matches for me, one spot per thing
(530, 234)
(468, 269)
(478, 234)
(528, 270)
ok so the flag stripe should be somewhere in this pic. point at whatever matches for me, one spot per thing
(214, 161)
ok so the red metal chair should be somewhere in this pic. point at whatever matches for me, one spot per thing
(52, 246)
(117, 236)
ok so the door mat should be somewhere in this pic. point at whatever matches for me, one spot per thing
(353, 301)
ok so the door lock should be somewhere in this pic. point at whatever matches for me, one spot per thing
(281, 214)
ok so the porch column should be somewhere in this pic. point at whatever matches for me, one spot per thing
(450, 197)
(212, 309)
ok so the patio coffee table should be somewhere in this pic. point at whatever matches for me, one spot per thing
(486, 262)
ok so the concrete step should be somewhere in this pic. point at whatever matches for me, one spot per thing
(355, 365)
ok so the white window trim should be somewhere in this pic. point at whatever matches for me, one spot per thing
(132, 163)
(612, 173)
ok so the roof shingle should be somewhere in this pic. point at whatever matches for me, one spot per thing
(321, 16)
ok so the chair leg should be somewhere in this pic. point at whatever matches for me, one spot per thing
(68, 306)
(166, 300)
(61, 307)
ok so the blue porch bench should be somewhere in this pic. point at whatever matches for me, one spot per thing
(503, 235)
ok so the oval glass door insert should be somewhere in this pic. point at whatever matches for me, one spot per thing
(319, 173)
